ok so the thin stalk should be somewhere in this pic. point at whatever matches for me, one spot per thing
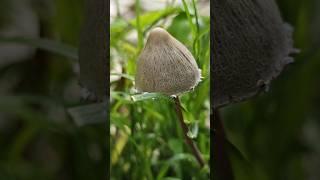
(193, 28)
(118, 9)
(196, 15)
(196, 42)
(221, 163)
(139, 30)
(191, 144)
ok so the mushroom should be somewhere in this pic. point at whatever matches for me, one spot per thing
(165, 65)
(251, 46)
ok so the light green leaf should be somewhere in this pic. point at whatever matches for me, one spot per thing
(149, 96)
(181, 156)
(176, 145)
(150, 18)
(171, 178)
(193, 131)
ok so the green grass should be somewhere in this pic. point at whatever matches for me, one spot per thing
(146, 139)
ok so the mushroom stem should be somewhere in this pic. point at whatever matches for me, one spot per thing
(184, 127)
(221, 162)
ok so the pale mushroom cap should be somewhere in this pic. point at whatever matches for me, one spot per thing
(165, 65)
(159, 34)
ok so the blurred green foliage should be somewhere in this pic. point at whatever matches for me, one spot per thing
(38, 140)
(278, 131)
(146, 139)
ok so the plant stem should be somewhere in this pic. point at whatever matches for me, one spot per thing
(196, 40)
(139, 29)
(185, 129)
(221, 162)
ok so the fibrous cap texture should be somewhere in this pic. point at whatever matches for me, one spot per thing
(252, 45)
(165, 65)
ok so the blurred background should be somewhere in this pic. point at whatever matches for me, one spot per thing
(146, 138)
(38, 83)
(277, 134)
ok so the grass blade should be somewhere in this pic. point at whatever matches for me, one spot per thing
(45, 44)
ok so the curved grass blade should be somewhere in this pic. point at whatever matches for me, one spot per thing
(45, 44)
(89, 114)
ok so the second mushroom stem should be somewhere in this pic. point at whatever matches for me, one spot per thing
(185, 129)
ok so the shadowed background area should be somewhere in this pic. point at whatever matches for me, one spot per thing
(276, 134)
(39, 75)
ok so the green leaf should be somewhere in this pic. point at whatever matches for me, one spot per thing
(118, 29)
(180, 28)
(171, 178)
(121, 97)
(151, 18)
(189, 17)
(176, 145)
(45, 44)
(149, 96)
(193, 131)
(181, 156)
(118, 26)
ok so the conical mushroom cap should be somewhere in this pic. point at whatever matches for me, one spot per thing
(252, 45)
(165, 65)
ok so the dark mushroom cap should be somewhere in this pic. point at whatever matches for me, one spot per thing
(252, 45)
